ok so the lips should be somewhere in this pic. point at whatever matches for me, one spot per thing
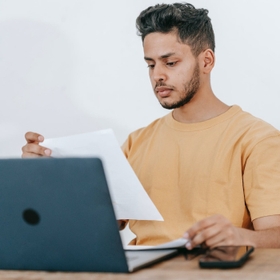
(163, 91)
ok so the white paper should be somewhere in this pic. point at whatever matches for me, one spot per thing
(129, 198)
(172, 244)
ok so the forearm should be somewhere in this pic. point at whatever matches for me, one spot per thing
(266, 238)
(217, 230)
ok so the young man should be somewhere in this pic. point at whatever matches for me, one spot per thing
(212, 170)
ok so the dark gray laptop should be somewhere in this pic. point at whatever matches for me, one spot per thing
(57, 215)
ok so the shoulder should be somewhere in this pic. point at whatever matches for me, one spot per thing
(141, 135)
(252, 127)
(254, 135)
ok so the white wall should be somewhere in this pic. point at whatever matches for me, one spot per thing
(72, 66)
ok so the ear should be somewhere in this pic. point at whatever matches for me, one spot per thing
(207, 61)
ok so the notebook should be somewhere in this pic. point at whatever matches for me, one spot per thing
(57, 215)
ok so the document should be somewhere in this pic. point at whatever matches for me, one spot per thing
(177, 243)
(129, 198)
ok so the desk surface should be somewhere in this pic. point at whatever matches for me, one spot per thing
(263, 264)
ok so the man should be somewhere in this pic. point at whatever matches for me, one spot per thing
(212, 170)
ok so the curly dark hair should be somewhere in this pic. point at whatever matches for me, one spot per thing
(192, 25)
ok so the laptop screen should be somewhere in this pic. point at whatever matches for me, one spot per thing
(56, 214)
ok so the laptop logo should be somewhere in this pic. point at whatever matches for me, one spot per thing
(31, 217)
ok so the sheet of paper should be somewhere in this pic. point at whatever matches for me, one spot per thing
(129, 198)
(172, 244)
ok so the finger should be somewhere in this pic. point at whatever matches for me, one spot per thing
(30, 155)
(204, 236)
(36, 149)
(221, 239)
(202, 231)
(199, 226)
(33, 137)
(226, 237)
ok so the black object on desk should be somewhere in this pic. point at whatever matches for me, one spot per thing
(57, 215)
(226, 257)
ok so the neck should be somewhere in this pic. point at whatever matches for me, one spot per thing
(203, 106)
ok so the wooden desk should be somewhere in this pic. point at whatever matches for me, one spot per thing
(263, 264)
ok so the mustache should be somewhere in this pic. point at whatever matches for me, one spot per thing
(162, 84)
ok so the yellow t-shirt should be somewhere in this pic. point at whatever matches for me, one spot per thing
(227, 165)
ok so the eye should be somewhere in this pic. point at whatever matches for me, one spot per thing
(171, 64)
(151, 66)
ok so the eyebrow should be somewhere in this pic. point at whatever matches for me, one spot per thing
(161, 57)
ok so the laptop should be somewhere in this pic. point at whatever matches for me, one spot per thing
(57, 215)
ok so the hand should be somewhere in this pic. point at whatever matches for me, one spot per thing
(122, 224)
(32, 147)
(212, 232)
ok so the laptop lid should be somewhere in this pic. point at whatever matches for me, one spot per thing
(56, 214)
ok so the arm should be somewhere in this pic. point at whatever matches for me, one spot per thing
(218, 231)
(32, 148)
(261, 186)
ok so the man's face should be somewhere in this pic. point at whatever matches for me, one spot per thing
(173, 70)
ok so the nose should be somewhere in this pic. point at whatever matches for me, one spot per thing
(158, 74)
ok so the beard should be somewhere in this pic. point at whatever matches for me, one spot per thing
(190, 89)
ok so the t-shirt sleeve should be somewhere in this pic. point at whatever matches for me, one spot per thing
(262, 178)
(125, 148)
